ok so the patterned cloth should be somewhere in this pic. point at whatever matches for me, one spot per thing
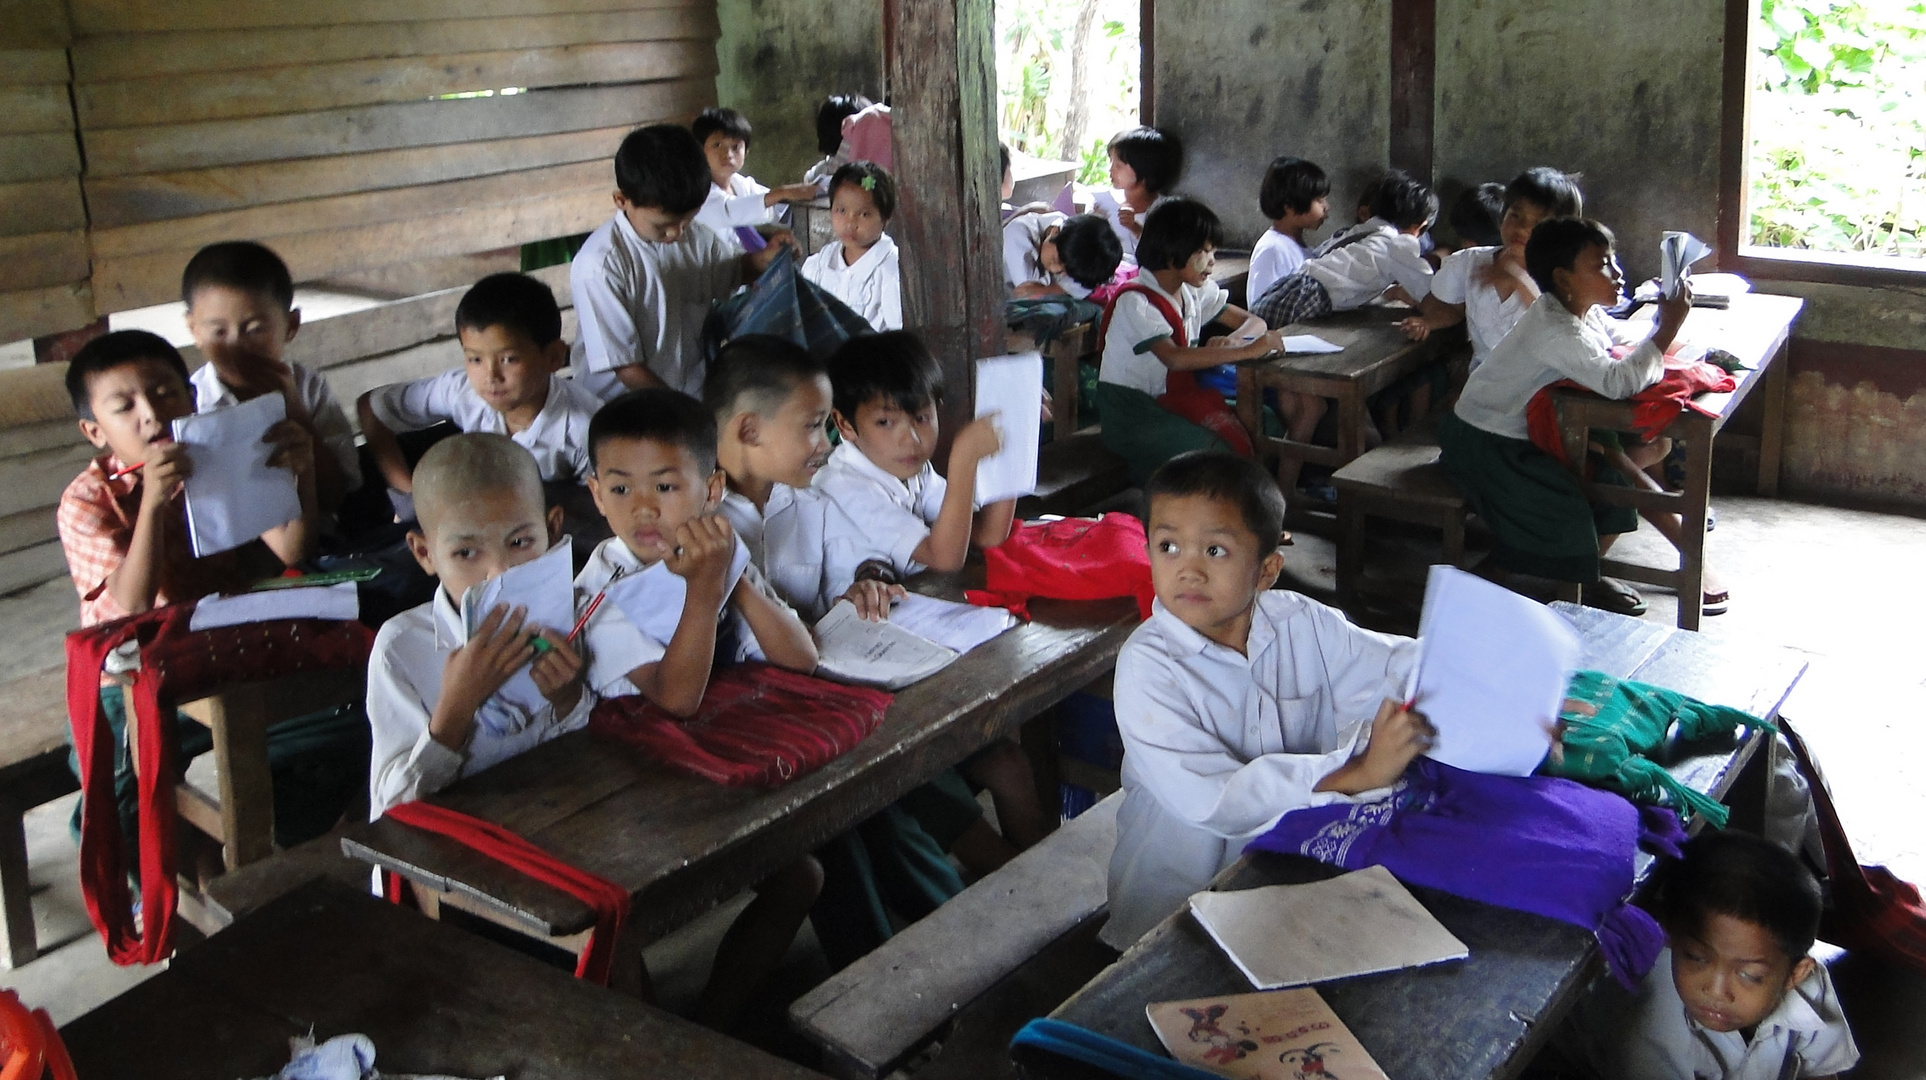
(1292, 300)
(784, 303)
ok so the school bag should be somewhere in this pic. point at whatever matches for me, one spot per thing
(1067, 559)
(782, 303)
(1183, 395)
(176, 664)
(757, 724)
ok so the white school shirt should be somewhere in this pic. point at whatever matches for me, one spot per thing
(891, 516)
(1110, 204)
(1465, 278)
(738, 205)
(404, 684)
(617, 646)
(1218, 744)
(558, 436)
(1274, 258)
(803, 543)
(873, 287)
(1136, 324)
(640, 302)
(1022, 245)
(1548, 344)
(1357, 272)
(331, 425)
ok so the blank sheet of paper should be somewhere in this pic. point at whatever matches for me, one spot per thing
(952, 625)
(233, 495)
(338, 601)
(1301, 344)
(1012, 388)
(546, 587)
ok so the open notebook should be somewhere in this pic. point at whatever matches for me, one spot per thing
(923, 636)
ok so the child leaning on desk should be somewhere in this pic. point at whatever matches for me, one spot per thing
(1237, 703)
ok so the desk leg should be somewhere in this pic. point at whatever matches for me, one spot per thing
(1698, 488)
(20, 945)
(1063, 391)
(247, 788)
(1772, 432)
(1351, 421)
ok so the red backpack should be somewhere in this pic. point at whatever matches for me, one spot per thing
(1068, 559)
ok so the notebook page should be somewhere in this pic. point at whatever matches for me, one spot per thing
(338, 601)
(956, 626)
(1011, 387)
(852, 649)
(546, 587)
(233, 495)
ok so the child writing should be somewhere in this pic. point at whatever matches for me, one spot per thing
(735, 199)
(859, 267)
(645, 280)
(1540, 519)
(1152, 407)
(1236, 703)
(1145, 163)
(1737, 993)
(1049, 254)
(240, 309)
(830, 115)
(1296, 196)
(509, 384)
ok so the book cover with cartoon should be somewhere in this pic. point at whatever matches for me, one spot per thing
(1276, 1035)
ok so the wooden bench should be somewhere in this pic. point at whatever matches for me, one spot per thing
(873, 1014)
(1074, 473)
(1403, 481)
(33, 770)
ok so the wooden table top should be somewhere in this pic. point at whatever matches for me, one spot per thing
(433, 999)
(681, 844)
(1375, 352)
(1487, 1015)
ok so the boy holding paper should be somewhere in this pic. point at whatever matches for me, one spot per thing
(1237, 703)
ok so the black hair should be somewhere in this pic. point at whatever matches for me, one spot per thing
(1215, 474)
(1089, 249)
(660, 415)
(764, 368)
(727, 121)
(1155, 155)
(872, 178)
(1374, 190)
(519, 303)
(1174, 231)
(1552, 191)
(1003, 159)
(1405, 202)
(110, 351)
(661, 167)
(1747, 878)
(1290, 186)
(895, 366)
(238, 264)
(1476, 212)
(830, 116)
(1556, 244)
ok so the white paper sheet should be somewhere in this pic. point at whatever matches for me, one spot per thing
(1354, 924)
(653, 599)
(1677, 252)
(338, 601)
(852, 649)
(952, 625)
(233, 496)
(1012, 388)
(1491, 674)
(1308, 343)
(546, 587)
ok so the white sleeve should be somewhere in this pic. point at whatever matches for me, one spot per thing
(1830, 1050)
(890, 530)
(813, 267)
(1409, 269)
(1139, 323)
(615, 648)
(605, 324)
(1452, 283)
(1019, 250)
(1212, 298)
(332, 428)
(734, 211)
(412, 406)
(1575, 357)
(1267, 265)
(889, 292)
(405, 762)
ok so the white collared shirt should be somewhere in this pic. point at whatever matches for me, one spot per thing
(1465, 278)
(1136, 324)
(1218, 744)
(892, 517)
(1357, 272)
(802, 542)
(640, 302)
(404, 684)
(872, 287)
(617, 646)
(1275, 258)
(557, 437)
(1548, 344)
(737, 206)
(1023, 254)
(331, 425)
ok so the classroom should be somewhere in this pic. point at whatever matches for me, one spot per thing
(1246, 538)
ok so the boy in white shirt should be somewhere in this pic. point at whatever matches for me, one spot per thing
(645, 281)
(1361, 263)
(735, 200)
(1051, 254)
(479, 500)
(1296, 196)
(1237, 704)
(509, 384)
(860, 266)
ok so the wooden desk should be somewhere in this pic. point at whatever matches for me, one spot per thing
(433, 1000)
(1376, 354)
(810, 222)
(1490, 1014)
(679, 844)
(34, 741)
(1757, 330)
(1064, 359)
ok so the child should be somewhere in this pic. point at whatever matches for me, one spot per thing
(1237, 704)
(1048, 254)
(1487, 288)
(829, 137)
(240, 309)
(1476, 214)
(1540, 519)
(478, 498)
(1144, 165)
(859, 267)
(735, 199)
(509, 384)
(645, 280)
(1152, 407)
(1361, 263)
(1736, 995)
(1296, 196)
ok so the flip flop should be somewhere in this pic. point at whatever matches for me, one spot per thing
(1714, 603)
(1613, 595)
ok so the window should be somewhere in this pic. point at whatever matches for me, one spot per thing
(1067, 78)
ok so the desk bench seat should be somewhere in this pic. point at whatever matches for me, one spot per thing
(872, 1015)
(1403, 481)
(34, 737)
(1074, 473)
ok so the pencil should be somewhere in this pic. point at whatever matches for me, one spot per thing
(125, 470)
(594, 603)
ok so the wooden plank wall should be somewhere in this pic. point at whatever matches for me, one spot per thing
(43, 240)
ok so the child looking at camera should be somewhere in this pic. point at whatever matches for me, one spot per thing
(860, 266)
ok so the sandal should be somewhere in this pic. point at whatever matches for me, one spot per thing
(1613, 595)
(1714, 603)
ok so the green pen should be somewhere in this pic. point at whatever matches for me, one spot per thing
(539, 644)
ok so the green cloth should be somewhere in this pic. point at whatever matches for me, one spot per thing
(945, 808)
(884, 870)
(1536, 509)
(1138, 430)
(1612, 748)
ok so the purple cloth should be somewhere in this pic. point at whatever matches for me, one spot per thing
(1540, 844)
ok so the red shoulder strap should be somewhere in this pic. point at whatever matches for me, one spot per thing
(1156, 299)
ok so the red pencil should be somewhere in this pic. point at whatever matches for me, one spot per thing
(123, 471)
(594, 603)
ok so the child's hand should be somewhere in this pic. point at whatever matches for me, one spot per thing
(1128, 218)
(702, 551)
(977, 440)
(1415, 328)
(1048, 415)
(755, 262)
(557, 672)
(166, 469)
(873, 598)
(293, 448)
(473, 672)
(1398, 736)
(1672, 315)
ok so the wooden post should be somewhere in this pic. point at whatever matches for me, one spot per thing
(942, 79)
(1414, 47)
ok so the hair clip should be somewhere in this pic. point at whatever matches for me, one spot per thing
(869, 183)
